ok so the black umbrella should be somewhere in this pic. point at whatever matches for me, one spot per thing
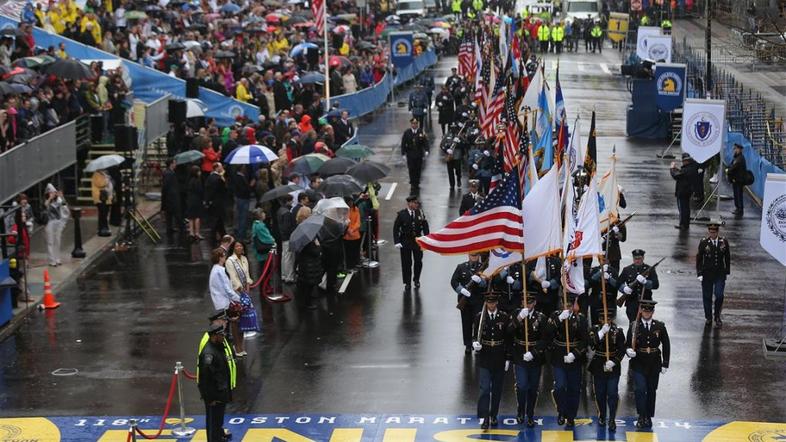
(364, 45)
(279, 192)
(176, 46)
(335, 166)
(315, 226)
(340, 185)
(6, 89)
(224, 54)
(368, 171)
(68, 69)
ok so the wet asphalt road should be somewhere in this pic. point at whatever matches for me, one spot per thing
(126, 320)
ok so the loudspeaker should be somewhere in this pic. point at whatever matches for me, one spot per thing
(96, 128)
(192, 88)
(177, 111)
(125, 137)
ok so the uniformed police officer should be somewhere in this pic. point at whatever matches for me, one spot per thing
(454, 79)
(469, 285)
(608, 342)
(567, 348)
(490, 330)
(637, 281)
(527, 330)
(713, 263)
(648, 348)
(414, 147)
(410, 223)
(418, 104)
(215, 383)
(446, 106)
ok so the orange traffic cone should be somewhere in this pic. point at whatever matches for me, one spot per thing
(49, 298)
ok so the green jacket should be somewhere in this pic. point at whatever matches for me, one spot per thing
(260, 233)
(455, 6)
(543, 32)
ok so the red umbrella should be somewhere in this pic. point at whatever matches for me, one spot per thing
(338, 60)
(273, 18)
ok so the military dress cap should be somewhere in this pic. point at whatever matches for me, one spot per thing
(216, 330)
(218, 314)
(685, 156)
(492, 297)
(647, 304)
(531, 298)
(637, 253)
(611, 311)
(714, 224)
(413, 120)
(412, 198)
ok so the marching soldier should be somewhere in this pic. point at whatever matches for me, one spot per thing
(418, 104)
(469, 199)
(490, 329)
(596, 290)
(528, 354)
(469, 285)
(617, 234)
(445, 107)
(414, 147)
(410, 223)
(454, 80)
(713, 263)
(649, 349)
(547, 284)
(507, 283)
(567, 347)
(608, 342)
(636, 281)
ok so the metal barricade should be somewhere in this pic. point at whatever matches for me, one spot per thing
(157, 119)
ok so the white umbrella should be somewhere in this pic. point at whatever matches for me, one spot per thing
(334, 208)
(251, 154)
(104, 162)
(195, 108)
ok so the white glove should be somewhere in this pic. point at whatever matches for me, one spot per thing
(398, 245)
(700, 170)
(605, 267)
(476, 279)
(507, 365)
(476, 346)
(606, 275)
(609, 365)
(426, 153)
(486, 153)
(475, 166)
(523, 313)
(569, 358)
(403, 158)
(510, 280)
(701, 278)
(615, 229)
(627, 290)
(466, 293)
(641, 279)
(450, 151)
(603, 330)
(564, 315)
(664, 370)
(545, 284)
(528, 356)
(631, 353)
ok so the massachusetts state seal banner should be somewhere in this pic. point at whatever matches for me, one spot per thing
(773, 217)
(703, 123)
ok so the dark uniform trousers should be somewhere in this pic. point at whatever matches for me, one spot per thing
(713, 264)
(527, 372)
(408, 256)
(606, 383)
(406, 228)
(647, 364)
(462, 278)
(214, 419)
(567, 377)
(491, 360)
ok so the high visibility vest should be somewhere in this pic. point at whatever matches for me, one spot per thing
(471, 13)
(478, 5)
(557, 33)
(665, 24)
(596, 32)
(645, 20)
(230, 360)
(543, 33)
(456, 6)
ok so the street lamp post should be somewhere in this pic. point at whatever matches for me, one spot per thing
(708, 44)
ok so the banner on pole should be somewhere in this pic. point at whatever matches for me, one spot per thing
(703, 123)
(654, 47)
(401, 51)
(773, 217)
(670, 85)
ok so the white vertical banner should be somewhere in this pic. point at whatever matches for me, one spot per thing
(703, 124)
(773, 217)
(642, 37)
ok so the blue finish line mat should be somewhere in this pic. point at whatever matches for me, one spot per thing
(385, 428)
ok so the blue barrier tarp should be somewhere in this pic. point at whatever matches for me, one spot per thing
(755, 162)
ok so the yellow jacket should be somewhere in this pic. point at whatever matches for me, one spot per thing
(241, 93)
(99, 182)
(56, 20)
(95, 31)
(68, 11)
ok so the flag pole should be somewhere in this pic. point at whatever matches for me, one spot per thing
(565, 305)
(327, 57)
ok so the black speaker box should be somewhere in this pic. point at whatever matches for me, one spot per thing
(125, 137)
(192, 88)
(177, 111)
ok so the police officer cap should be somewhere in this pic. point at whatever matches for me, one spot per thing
(714, 224)
(637, 253)
(685, 156)
(215, 330)
(492, 297)
(218, 314)
(610, 311)
(412, 198)
(647, 304)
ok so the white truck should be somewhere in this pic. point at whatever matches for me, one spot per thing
(582, 9)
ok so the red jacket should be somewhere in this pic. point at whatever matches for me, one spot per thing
(211, 156)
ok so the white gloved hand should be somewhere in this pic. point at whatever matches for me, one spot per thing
(450, 151)
(398, 245)
(609, 365)
(631, 353)
(426, 153)
(700, 170)
(466, 293)
(641, 279)
(507, 365)
(476, 279)
(701, 278)
(615, 229)
(486, 153)
(510, 280)
(545, 284)
(528, 357)
(475, 166)
(476, 346)
(603, 330)
(664, 370)
(564, 315)
(569, 358)
(404, 158)
(605, 267)
(523, 313)
(606, 275)
(627, 290)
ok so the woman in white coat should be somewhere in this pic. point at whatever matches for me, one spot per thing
(57, 216)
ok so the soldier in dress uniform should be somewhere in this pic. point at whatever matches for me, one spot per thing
(567, 349)
(649, 349)
(446, 107)
(605, 364)
(414, 147)
(472, 197)
(713, 263)
(547, 283)
(410, 223)
(528, 354)
(419, 104)
(596, 290)
(507, 283)
(454, 80)
(492, 344)
(637, 281)
(617, 234)
(469, 285)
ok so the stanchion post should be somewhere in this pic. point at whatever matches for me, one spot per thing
(182, 431)
(76, 213)
(133, 429)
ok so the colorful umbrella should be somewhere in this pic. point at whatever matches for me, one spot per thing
(34, 62)
(355, 151)
(251, 154)
(307, 164)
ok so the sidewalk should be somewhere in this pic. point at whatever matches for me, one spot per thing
(93, 246)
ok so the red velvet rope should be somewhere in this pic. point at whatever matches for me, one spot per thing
(166, 412)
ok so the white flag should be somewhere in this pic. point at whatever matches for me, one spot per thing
(574, 276)
(773, 217)
(499, 258)
(541, 213)
(575, 149)
(703, 124)
(503, 41)
(608, 196)
(584, 240)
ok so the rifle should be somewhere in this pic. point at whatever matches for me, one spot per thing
(621, 300)
(605, 235)
(462, 302)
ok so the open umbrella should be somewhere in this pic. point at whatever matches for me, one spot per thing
(251, 154)
(104, 162)
(368, 171)
(19, 88)
(137, 15)
(273, 18)
(176, 46)
(365, 45)
(224, 54)
(333, 208)
(306, 164)
(69, 69)
(438, 31)
(230, 8)
(188, 156)
(355, 151)
(340, 185)
(335, 166)
(305, 24)
(300, 48)
(7, 88)
(34, 62)
(280, 191)
(312, 78)
(338, 60)
(195, 108)
(313, 227)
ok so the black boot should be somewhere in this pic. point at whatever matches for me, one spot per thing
(519, 419)
(560, 419)
(485, 424)
(612, 424)
(601, 420)
(493, 421)
(641, 422)
(570, 423)
(530, 422)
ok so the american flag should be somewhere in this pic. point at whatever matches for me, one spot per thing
(512, 131)
(466, 57)
(482, 87)
(523, 163)
(493, 113)
(498, 170)
(494, 222)
(318, 8)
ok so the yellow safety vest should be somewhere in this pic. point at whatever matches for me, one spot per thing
(230, 360)
(665, 24)
(543, 33)
(645, 20)
(456, 6)
(557, 33)
(478, 5)
(596, 32)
